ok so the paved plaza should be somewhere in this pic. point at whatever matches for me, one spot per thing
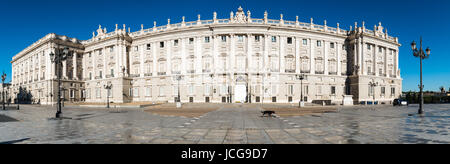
(226, 124)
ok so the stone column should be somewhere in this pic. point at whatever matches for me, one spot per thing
(312, 57)
(282, 55)
(360, 56)
(326, 51)
(386, 62)
(396, 63)
(232, 55)
(297, 55)
(105, 63)
(374, 59)
(155, 46)
(64, 69)
(74, 64)
(141, 61)
(183, 56)
(169, 57)
(266, 54)
(249, 53)
(338, 55)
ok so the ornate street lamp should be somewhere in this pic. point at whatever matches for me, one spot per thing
(301, 77)
(108, 87)
(373, 84)
(212, 84)
(57, 57)
(421, 55)
(179, 78)
(3, 90)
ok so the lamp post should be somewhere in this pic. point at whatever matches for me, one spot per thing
(178, 77)
(212, 84)
(373, 84)
(301, 77)
(3, 91)
(108, 87)
(421, 55)
(57, 57)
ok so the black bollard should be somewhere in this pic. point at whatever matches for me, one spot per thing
(18, 107)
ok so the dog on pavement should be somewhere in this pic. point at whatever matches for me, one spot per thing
(268, 113)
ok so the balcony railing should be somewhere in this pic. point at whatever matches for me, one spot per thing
(148, 74)
(98, 77)
(319, 72)
(134, 75)
(206, 70)
(176, 72)
(191, 71)
(161, 73)
(332, 73)
(109, 76)
(304, 71)
(290, 71)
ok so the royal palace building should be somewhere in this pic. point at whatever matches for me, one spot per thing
(238, 59)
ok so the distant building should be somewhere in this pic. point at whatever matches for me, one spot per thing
(236, 59)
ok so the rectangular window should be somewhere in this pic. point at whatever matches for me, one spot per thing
(98, 93)
(319, 43)
(207, 90)
(380, 49)
(191, 40)
(383, 90)
(240, 38)
(148, 91)
(175, 43)
(161, 44)
(112, 72)
(136, 92)
(191, 90)
(136, 48)
(149, 46)
(207, 39)
(289, 40)
(274, 39)
(392, 91)
(161, 91)
(101, 74)
(224, 38)
(290, 89)
(333, 90)
(305, 42)
(111, 49)
(368, 47)
(331, 45)
(257, 38)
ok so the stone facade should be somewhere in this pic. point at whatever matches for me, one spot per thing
(239, 59)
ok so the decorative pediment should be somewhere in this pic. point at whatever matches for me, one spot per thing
(240, 16)
(148, 61)
(162, 59)
(136, 62)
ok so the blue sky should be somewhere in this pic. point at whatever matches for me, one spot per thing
(22, 22)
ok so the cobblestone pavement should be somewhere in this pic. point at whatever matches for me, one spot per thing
(231, 124)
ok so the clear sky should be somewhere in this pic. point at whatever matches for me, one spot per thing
(22, 22)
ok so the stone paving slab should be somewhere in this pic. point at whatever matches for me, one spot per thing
(231, 124)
